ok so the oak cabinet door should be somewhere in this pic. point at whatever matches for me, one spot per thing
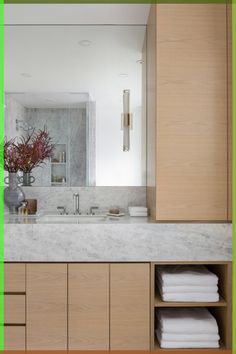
(46, 306)
(129, 307)
(88, 298)
(188, 118)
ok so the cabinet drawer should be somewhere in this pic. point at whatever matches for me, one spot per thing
(14, 309)
(14, 338)
(14, 277)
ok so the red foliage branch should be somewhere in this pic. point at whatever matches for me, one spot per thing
(11, 156)
(29, 152)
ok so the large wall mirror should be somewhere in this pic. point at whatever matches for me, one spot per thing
(70, 79)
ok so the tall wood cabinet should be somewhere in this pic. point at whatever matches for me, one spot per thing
(188, 115)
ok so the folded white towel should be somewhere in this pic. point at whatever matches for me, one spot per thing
(173, 337)
(185, 344)
(138, 214)
(138, 209)
(186, 275)
(187, 321)
(190, 297)
(189, 289)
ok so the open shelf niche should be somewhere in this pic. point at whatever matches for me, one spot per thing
(221, 310)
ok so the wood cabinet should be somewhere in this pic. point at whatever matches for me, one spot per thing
(46, 306)
(14, 309)
(187, 105)
(229, 57)
(129, 307)
(79, 306)
(14, 306)
(14, 338)
(88, 307)
(221, 310)
(14, 278)
(108, 307)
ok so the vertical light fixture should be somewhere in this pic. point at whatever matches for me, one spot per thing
(126, 120)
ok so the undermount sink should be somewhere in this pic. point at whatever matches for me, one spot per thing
(71, 219)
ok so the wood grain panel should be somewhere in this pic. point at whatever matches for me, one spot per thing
(14, 309)
(88, 306)
(46, 306)
(14, 338)
(229, 41)
(151, 57)
(191, 132)
(14, 277)
(224, 316)
(130, 307)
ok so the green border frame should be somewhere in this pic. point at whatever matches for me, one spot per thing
(233, 176)
(1, 175)
(116, 1)
(233, 133)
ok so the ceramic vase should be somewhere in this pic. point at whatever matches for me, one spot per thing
(27, 179)
(13, 194)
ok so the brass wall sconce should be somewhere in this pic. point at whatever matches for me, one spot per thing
(126, 120)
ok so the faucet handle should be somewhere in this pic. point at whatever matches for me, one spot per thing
(62, 210)
(93, 208)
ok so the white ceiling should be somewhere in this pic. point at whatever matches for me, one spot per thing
(129, 14)
(55, 61)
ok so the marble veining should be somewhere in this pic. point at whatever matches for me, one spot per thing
(103, 197)
(117, 242)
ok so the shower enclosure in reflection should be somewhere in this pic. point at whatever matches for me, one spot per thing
(70, 120)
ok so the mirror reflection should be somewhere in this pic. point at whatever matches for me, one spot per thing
(70, 81)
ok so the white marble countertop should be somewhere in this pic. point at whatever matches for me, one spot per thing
(26, 220)
(125, 240)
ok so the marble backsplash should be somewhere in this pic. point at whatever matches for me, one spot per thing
(104, 197)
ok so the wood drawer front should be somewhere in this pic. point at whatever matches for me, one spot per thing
(88, 307)
(14, 338)
(14, 277)
(14, 309)
(130, 307)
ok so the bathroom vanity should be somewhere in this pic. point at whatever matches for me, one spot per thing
(91, 286)
(84, 282)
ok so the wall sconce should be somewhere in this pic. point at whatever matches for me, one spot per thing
(126, 120)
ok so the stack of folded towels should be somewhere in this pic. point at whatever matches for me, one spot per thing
(187, 283)
(138, 211)
(186, 328)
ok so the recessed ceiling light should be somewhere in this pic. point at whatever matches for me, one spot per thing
(123, 75)
(26, 75)
(85, 43)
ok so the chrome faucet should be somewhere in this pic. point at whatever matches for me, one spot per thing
(76, 197)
